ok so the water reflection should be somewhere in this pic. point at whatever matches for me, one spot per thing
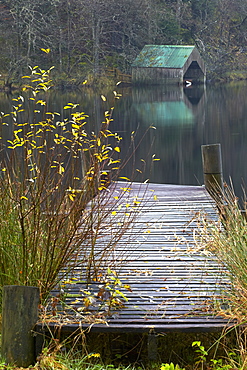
(176, 105)
(176, 113)
(163, 107)
(185, 118)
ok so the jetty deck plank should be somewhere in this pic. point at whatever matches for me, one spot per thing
(172, 284)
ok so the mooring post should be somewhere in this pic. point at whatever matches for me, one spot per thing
(212, 169)
(19, 316)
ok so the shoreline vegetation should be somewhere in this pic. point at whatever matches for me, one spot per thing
(63, 82)
(81, 38)
(105, 80)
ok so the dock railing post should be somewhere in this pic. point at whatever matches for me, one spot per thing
(212, 170)
(19, 316)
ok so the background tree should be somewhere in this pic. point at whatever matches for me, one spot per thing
(85, 37)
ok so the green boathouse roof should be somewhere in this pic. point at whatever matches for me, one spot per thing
(163, 56)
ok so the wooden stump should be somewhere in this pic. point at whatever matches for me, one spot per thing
(19, 316)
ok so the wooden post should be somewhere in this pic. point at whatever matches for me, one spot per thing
(19, 316)
(212, 169)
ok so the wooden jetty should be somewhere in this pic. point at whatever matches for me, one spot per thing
(163, 281)
(116, 74)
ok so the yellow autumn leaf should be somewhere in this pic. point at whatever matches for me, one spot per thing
(127, 286)
(71, 196)
(103, 97)
(47, 51)
(124, 178)
(24, 197)
(41, 102)
(117, 149)
(93, 355)
(114, 213)
(136, 202)
(61, 169)
(125, 189)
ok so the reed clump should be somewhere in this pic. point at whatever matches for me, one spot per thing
(225, 236)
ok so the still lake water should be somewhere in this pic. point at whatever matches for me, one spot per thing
(184, 120)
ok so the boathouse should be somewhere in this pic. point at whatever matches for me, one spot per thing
(168, 64)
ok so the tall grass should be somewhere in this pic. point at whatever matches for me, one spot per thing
(50, 168)
(226, 238)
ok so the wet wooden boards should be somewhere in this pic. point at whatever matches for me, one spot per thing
(162, 281)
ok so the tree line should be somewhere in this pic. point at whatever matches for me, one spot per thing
(86, 36)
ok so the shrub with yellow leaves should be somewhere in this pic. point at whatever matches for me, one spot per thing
(50, 169)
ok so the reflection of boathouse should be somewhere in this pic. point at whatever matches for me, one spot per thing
(168, 64)
(169, 106)
(178, 115)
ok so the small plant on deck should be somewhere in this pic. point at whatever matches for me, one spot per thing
(102, 297)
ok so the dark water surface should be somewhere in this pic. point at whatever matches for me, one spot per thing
(184, 119)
